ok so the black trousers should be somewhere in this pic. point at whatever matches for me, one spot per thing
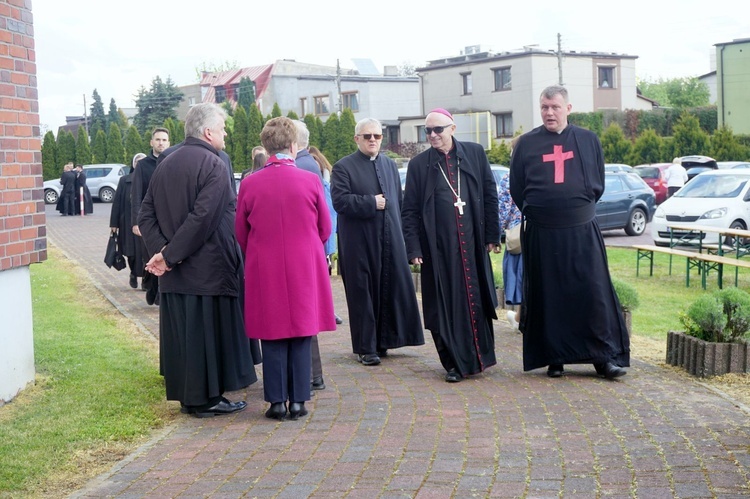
(317, 364)
(286, 369)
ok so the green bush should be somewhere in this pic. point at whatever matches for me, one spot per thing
(722, 316)
(627, 294)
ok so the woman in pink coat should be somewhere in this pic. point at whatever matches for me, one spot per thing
(282, 221)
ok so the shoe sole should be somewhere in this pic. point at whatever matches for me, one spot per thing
(368, 362)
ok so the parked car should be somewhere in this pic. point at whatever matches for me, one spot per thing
(717, 198)
(724, 165)
(617, 167)
(695, 165)
(627, 203)
(653, 175)
(101, 180)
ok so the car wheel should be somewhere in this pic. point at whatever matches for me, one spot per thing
(50, 196)
(106, 195)
(636, 223)
(737, 224)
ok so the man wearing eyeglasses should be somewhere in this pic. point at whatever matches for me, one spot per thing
(450, 224)
(366, 192)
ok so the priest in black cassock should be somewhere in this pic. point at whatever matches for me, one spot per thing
(571, 314)
(450, 222)
(187, 223)
(366, 193)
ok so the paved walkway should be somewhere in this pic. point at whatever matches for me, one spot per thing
(398, 430)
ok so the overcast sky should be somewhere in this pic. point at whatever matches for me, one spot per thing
(117, 47)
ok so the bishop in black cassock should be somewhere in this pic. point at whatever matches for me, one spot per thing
(571, 314)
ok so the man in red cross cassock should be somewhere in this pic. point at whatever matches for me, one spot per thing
(571, 314)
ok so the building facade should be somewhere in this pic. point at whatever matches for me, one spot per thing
(22, 218)
(732, 82)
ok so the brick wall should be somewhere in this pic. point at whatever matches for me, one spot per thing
(22, 220)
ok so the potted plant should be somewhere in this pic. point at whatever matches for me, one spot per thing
(715, 337)
(628, 297)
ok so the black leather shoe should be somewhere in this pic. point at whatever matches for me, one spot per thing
(339, 320)
(185, 409)
(555, 370)
(133, 281)
(151, 295)
(368, 359)
(383, 353)
(223, 407)
(453, 376)
(317, 383)
(276, 411)
(296, 410)
(609, 370)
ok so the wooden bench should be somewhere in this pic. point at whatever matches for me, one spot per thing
(704, 262)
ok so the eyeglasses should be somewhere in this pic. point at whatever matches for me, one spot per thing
(437, 129)
(368, 136)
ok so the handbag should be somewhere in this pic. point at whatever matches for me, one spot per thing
(113, 257)
(513, 240)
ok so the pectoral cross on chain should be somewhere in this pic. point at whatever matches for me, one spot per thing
(559, 157)
(460, 205)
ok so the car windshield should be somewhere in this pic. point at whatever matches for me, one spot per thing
(713, 186)
(648, 172)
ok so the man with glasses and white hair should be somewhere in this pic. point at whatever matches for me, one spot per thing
(451, 223)
(366, 192)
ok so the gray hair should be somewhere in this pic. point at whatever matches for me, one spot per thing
(203, 116)
(552, 90)
(364, 122)
(303, 134)
(137, 158)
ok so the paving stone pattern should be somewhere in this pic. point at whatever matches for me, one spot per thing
(399, 430)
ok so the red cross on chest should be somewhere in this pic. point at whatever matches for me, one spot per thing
(559, 157)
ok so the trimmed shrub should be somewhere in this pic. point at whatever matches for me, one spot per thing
(722, 316)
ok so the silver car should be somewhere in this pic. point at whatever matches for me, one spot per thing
(101, 180)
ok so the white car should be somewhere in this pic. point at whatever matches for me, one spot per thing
(717, 198)
(101, 180)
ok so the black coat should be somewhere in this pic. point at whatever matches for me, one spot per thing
(68, 182)
(383, 309)
(190, 208)
(120, 218)
(142, 174)
(88, 202)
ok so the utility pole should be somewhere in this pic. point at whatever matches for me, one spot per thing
(338, 87)
(559, 60)
(85, 117)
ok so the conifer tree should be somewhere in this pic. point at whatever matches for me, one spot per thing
(49, 157)
(93, 130)
(726, 147)
(99, 147)
(123, 121)
(66, 148)
(312, 126)
(83, 150)
(156, 104)
(292, 115)
(133, 144)
(276, 111)
(246, 94)
(254, 127)
(114, 116)
(347, 123)
(115, 147)
(241, 151)
(330, 138)
(616, 147)
(647, 148)
(179, 134)
(229, 145)
(171, 126)
(688, 136)
(97, 111)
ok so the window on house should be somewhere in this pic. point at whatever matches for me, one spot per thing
(303, 105)
(421, 136)
(321, 105)
(606, 77)
(191, 101)
(221, 94)
(351, 101)
(504, 124)
(466, 79)
(502, 78)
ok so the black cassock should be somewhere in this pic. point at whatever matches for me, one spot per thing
(88, 202)
(383, 308)
(458, 292)
(119, 217)
(571, 314)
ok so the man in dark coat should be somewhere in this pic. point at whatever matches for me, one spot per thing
(121, 224)
(571, 314)
(66, 203)
(450, 222)
(366, 193)
(187, 222)
(139, 185)
(81, 187)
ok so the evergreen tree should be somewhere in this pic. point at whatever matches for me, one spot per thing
(499, 153)
(688, 136)
(171, 126)
(254, 127)
(97, 111)
(616, 147)
(241, 152)
(179, 134)
(246, 94)
(115, 147)
(49, 157)
(123, 121)
(99, 147)
(276, 111)
(647, 148)
(726, 147)
(347, 123)
(66, 148)
(156, 104)
(229, 145)
(93, 130)
(312, 126)
(292, 115)
(133, 144)
(83, 150)
(114, 115)
(331, 139)
(227, 107)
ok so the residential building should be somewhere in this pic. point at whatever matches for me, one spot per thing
(710, 80)
(497, 94)
(732, 82)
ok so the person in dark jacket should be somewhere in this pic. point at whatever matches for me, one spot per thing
(121, 224)
(82, 188)
(450, 224)
(67, 200)
(366, 194)
(187, 222)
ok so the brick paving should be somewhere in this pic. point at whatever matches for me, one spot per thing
(398, 430)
